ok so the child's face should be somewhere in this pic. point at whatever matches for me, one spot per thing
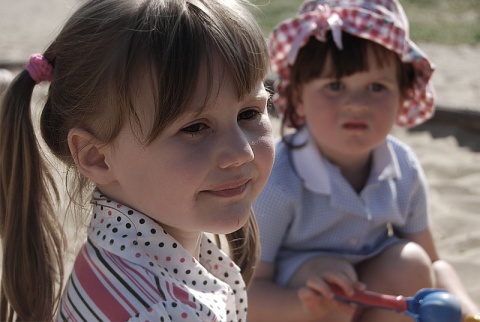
(204, 171)
(350, 116)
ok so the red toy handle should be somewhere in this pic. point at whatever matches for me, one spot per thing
(369, 298)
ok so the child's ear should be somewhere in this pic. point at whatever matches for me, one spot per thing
(400, 105)
(297, 100)
(89, 156)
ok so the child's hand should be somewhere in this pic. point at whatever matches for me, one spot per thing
(317, 272)
(314, 304)
(313, 278)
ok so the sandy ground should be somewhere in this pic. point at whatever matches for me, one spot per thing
(451, 164)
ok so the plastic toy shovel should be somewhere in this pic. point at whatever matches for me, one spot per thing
(428, 305)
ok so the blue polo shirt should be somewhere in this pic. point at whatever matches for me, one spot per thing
(308, 208)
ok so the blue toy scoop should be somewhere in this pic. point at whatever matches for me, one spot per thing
(428, 305)
(438, 305)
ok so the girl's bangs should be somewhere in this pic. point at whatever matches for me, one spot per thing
(353, 58)
(198, 38)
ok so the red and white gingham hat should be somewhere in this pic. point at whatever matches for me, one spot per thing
(381, 21)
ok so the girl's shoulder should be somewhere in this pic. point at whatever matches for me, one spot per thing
(284, 179)
(405, 154)
(283, 165)
(397, 143)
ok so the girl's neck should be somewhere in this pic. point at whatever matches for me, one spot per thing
(358, 174)
(190, 241)
(355, 170)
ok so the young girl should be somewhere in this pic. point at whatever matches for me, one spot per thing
(158, 108)
(346, 203)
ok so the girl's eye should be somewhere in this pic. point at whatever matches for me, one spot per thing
(376, 87)
(194, 128)
(247, 114)
(335, 86)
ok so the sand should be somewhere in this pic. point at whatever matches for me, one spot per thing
(448, 147)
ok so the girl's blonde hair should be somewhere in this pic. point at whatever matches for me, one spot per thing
(95, 59)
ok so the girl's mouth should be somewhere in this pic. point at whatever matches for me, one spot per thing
(230, 190)
(355, 126)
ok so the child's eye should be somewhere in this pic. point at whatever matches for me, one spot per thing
(247, 114)
(194, 129)
(376, 87)
(335, 86)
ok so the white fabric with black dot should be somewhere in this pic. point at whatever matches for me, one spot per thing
(215, 288)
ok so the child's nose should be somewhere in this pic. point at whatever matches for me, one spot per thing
(357, 101)
(235, 149)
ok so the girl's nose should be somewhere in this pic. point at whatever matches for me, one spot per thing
(234, 149)
(356, 101)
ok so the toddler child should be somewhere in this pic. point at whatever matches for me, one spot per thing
(346, 203)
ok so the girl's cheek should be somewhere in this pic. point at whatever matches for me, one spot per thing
(269, 144)
(262, 137)
(266, 123)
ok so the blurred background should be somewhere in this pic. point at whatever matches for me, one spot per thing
(28, 25)
(447, 22)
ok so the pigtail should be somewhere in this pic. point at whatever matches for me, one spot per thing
(32, 239)
(245, 248)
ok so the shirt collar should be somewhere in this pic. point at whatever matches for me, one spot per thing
(311, 166)
(139, 239)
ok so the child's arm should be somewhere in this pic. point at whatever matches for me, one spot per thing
(445, 275)
(270, 302)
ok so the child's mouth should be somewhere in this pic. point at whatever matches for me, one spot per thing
(230, 190)
(355, 126)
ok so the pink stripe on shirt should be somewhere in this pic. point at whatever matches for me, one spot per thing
(91, 278)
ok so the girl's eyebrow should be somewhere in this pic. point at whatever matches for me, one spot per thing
(257, 96)
(263, 94)
(196, 110)
(329, 74)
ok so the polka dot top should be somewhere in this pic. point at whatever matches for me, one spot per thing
(131, 269)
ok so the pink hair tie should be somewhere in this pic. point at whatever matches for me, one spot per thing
(39, 68)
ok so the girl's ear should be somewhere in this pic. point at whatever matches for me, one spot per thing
(89, 156)
(297, 100)
(400, 105)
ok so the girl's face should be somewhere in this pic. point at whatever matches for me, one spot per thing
(205, 170)
(350, 116)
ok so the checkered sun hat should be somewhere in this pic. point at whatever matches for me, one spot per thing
(381, 21)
